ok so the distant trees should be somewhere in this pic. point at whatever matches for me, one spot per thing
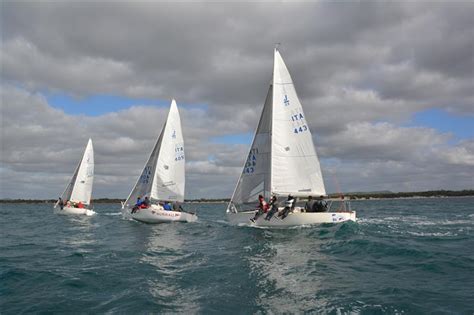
(429, 193)
(358, 195)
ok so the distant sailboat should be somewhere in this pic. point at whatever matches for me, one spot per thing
(162, 179)
(77, 196)
(282, 160)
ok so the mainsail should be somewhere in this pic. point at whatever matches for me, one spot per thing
(162, 177)
(79, 188)
(295, 165)
(282, 159)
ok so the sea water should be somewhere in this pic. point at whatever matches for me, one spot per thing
(411, 256)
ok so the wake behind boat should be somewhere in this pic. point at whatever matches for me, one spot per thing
(282, 161)
(77, 195)
(160, 188)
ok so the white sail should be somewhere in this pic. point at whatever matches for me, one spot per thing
(162, 177)
(295, 166)
(255, 177)
(67, 192)
(282, 159)
(168, 183)
(80, 187)
(145, 181)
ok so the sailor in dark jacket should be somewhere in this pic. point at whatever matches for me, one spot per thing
(308, 207)
(273, 208)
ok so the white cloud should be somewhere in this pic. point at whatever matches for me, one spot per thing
(41, 146)
(361, 70)
(24, 62)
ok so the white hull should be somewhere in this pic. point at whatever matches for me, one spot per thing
(293, 219)
(75, 211)
(158, 215)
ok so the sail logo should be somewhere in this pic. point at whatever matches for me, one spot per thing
(251, 162)
(286, 101)
(145, 177)
(174, 134)
(89, 171)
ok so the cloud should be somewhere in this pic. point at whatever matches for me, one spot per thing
(144, 50)
(43, 144)
(362, 70)
(382, 156)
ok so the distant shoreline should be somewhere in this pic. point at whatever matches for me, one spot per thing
(352, 196)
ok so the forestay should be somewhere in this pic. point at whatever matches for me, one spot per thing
(145, 181)
(282, 159)
(255, 177)
(162, 177)
(79, 188)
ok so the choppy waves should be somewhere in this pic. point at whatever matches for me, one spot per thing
(406, 256)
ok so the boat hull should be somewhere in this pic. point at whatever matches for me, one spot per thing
(293, 219)
(153, 215)
(75, 211)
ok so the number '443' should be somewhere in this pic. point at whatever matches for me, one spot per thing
(300, 129)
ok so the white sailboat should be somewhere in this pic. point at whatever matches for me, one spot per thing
(282, 160)
(77, 195)
(162, 179)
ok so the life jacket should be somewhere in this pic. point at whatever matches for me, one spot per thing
(263, 205)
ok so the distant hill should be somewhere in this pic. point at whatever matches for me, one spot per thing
(429, 193)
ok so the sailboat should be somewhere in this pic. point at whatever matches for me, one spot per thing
(282, 161)
(77, 195)
(162, 179)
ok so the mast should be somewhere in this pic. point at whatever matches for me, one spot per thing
(271, 121)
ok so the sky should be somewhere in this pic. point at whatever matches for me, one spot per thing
(387, 89)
